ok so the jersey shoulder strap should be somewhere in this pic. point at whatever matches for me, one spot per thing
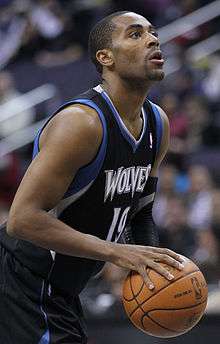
(85, 98)
(88, 173)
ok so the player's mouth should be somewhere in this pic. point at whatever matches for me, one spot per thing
(156, 58)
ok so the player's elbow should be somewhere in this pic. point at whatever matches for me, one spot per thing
(15, 226)
(12, 226)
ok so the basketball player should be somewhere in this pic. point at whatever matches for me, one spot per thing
(87, 196)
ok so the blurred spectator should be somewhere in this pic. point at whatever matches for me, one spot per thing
(175, 233)
(3, 212)
(166, 190)
(199, 197)
(114, 276)
(45, 12)
(178, 119)
(211, 85)
(198, 118)
(102, 298)
(10, 175)
(206, 255)
(178, 122)
(57, 44)
(12, 29)
(12, 102)
(215, 222)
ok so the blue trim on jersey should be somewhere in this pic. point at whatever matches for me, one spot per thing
(159, 125)
(36, 143)
(45, 339)
(131, 140)
(88, 173)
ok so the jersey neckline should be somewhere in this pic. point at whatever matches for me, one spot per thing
(124, 130)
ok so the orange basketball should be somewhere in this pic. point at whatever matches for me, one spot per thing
(172, 307)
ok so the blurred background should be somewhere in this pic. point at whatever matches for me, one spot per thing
(44, 62)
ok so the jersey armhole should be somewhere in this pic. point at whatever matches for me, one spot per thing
(88, 173)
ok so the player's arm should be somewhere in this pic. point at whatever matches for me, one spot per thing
(143, 228)
(70, 140)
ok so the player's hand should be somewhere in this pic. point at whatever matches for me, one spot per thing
(139, 258)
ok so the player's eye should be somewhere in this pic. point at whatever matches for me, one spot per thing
(154, 33)
(135, 34)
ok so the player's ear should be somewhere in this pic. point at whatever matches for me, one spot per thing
(105, 57)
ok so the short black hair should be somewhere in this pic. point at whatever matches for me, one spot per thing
(100, 37)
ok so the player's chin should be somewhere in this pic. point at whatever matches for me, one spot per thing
(156, 74)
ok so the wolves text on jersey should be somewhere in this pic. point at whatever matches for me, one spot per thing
(125, 180)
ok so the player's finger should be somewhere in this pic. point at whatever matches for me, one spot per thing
(170, 253)
(174, 255)
(161, 270)
(170, 261)
(143, 272)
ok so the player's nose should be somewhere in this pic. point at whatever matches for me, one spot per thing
(152, 41)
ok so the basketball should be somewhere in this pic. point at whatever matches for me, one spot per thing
(172, 308)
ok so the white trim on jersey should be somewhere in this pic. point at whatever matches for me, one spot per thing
(143, 202)
(64, 203)
(99, 89)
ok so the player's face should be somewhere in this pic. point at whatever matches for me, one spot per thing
(136, 49)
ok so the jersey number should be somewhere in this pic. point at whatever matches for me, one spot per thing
(119, 222)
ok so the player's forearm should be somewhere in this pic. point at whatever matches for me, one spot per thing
(43, 230)
(143, 228)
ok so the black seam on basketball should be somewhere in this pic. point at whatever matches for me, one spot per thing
(134, 295)
(134, 298)
(140, 304)
(175, 309)
(128, 300)
(162, 309)
(132, 291)
(154, 321)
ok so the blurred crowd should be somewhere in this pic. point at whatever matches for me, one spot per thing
(45, 41)
(54, 32)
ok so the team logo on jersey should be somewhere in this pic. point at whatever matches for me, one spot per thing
(125, 180)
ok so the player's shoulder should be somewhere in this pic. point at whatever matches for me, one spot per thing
(79, 115)
(75, 120)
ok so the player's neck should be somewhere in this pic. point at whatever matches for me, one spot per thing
(128, 99)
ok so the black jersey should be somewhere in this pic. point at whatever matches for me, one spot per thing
(102, 196)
